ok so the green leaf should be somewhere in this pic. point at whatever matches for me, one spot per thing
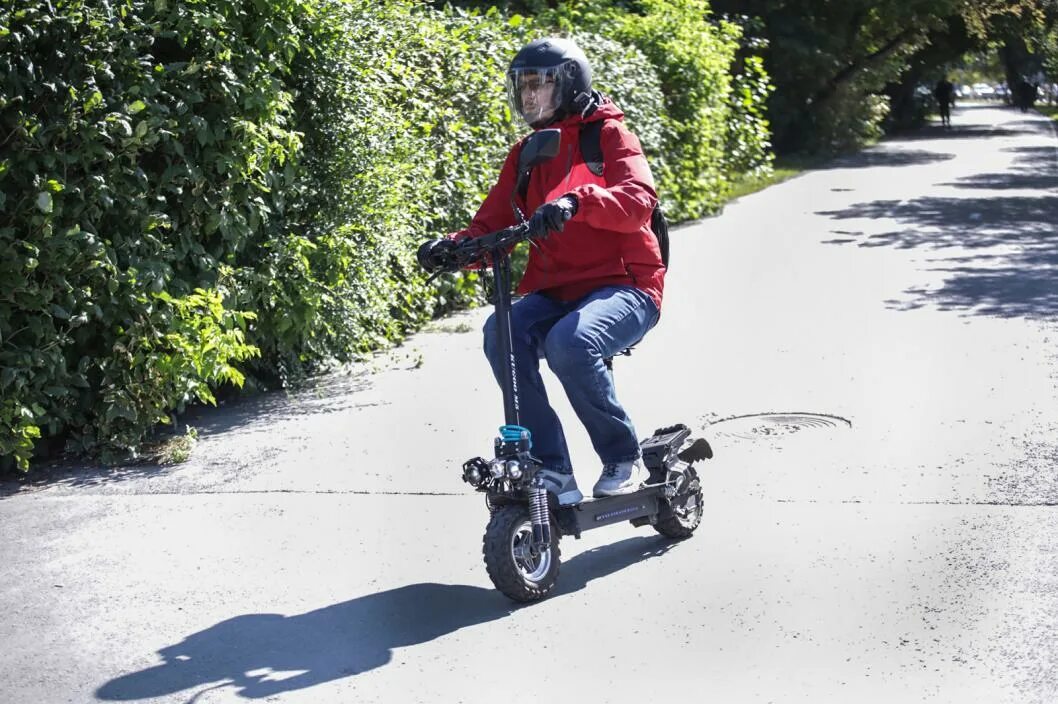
(136, 107)
(44, 202)
(156, 220)
(94, 101)
(120, 409)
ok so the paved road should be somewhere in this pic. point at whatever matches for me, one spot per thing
(871, 349)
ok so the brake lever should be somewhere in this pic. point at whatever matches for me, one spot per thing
(473, 251)
(456, 262)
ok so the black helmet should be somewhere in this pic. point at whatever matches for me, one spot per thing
(554, 62)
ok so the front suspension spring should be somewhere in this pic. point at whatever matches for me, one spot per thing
(539, 515)
(538, 505)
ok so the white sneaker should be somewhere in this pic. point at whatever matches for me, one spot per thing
(621, 478)
(563, 486)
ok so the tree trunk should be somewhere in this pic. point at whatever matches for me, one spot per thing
(847, 74)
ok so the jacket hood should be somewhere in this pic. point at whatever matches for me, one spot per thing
(606, 110)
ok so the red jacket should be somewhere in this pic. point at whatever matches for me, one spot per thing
(609, 240)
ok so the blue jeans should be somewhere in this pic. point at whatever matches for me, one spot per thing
(575, 337)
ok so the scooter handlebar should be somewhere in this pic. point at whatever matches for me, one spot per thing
(448, 255)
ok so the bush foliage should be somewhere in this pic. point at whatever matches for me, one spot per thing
(194, 193)
(712, 121)
(145, 147)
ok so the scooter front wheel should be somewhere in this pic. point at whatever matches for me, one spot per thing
(517, 570)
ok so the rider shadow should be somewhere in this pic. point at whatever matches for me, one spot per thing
(260, 655)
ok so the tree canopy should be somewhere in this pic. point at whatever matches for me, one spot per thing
(831, 61)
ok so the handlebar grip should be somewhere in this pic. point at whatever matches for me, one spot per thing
(443, 254)
(437, 255)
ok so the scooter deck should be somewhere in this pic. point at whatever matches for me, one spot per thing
(595, 513)
(639, 507)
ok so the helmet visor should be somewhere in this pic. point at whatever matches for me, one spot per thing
(536, 93)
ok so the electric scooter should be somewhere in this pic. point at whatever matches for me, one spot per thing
(521, 543)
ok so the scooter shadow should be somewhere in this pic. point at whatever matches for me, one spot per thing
(260, 655)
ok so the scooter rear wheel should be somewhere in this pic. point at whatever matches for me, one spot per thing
(510, 560)
(685, 509)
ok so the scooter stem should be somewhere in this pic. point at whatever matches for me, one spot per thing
(501, 270)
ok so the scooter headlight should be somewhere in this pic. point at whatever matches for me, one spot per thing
(496, 468)
(514, 469)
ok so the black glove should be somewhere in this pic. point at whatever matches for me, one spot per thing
(552, 217)
(435, 255)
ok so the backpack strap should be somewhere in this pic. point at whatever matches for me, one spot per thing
(522, 184)
(591, 146)
(590, 150)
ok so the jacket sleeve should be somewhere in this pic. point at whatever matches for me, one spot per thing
(495, 212)
(628, 199)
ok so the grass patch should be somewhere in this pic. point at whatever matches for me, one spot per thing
(743, 187)
(786, 167)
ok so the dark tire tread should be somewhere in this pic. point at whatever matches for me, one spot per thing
(673, 527)
(500, 564)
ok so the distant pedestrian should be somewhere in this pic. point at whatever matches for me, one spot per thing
(1025, 94)
(944, 92)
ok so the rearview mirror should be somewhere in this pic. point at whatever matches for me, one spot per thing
(538, 148)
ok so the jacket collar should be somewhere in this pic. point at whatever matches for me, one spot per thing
(602, 109)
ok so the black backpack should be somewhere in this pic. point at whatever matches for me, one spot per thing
(591, 150)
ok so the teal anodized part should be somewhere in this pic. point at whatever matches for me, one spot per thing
(514, 433)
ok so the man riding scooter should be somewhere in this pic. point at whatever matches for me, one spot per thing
(594, 286)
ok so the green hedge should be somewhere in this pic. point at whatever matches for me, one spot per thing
(196, 192)
(143, 149)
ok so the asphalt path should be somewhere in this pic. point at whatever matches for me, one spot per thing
(870, 347)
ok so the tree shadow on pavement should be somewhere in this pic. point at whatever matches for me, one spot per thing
(261, 655)
(885, 157)
(1044, 126)
(1034, 168)
(73, 473)
(330, 393)
(1002, 181)
(1003, 259)
(972, 131)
